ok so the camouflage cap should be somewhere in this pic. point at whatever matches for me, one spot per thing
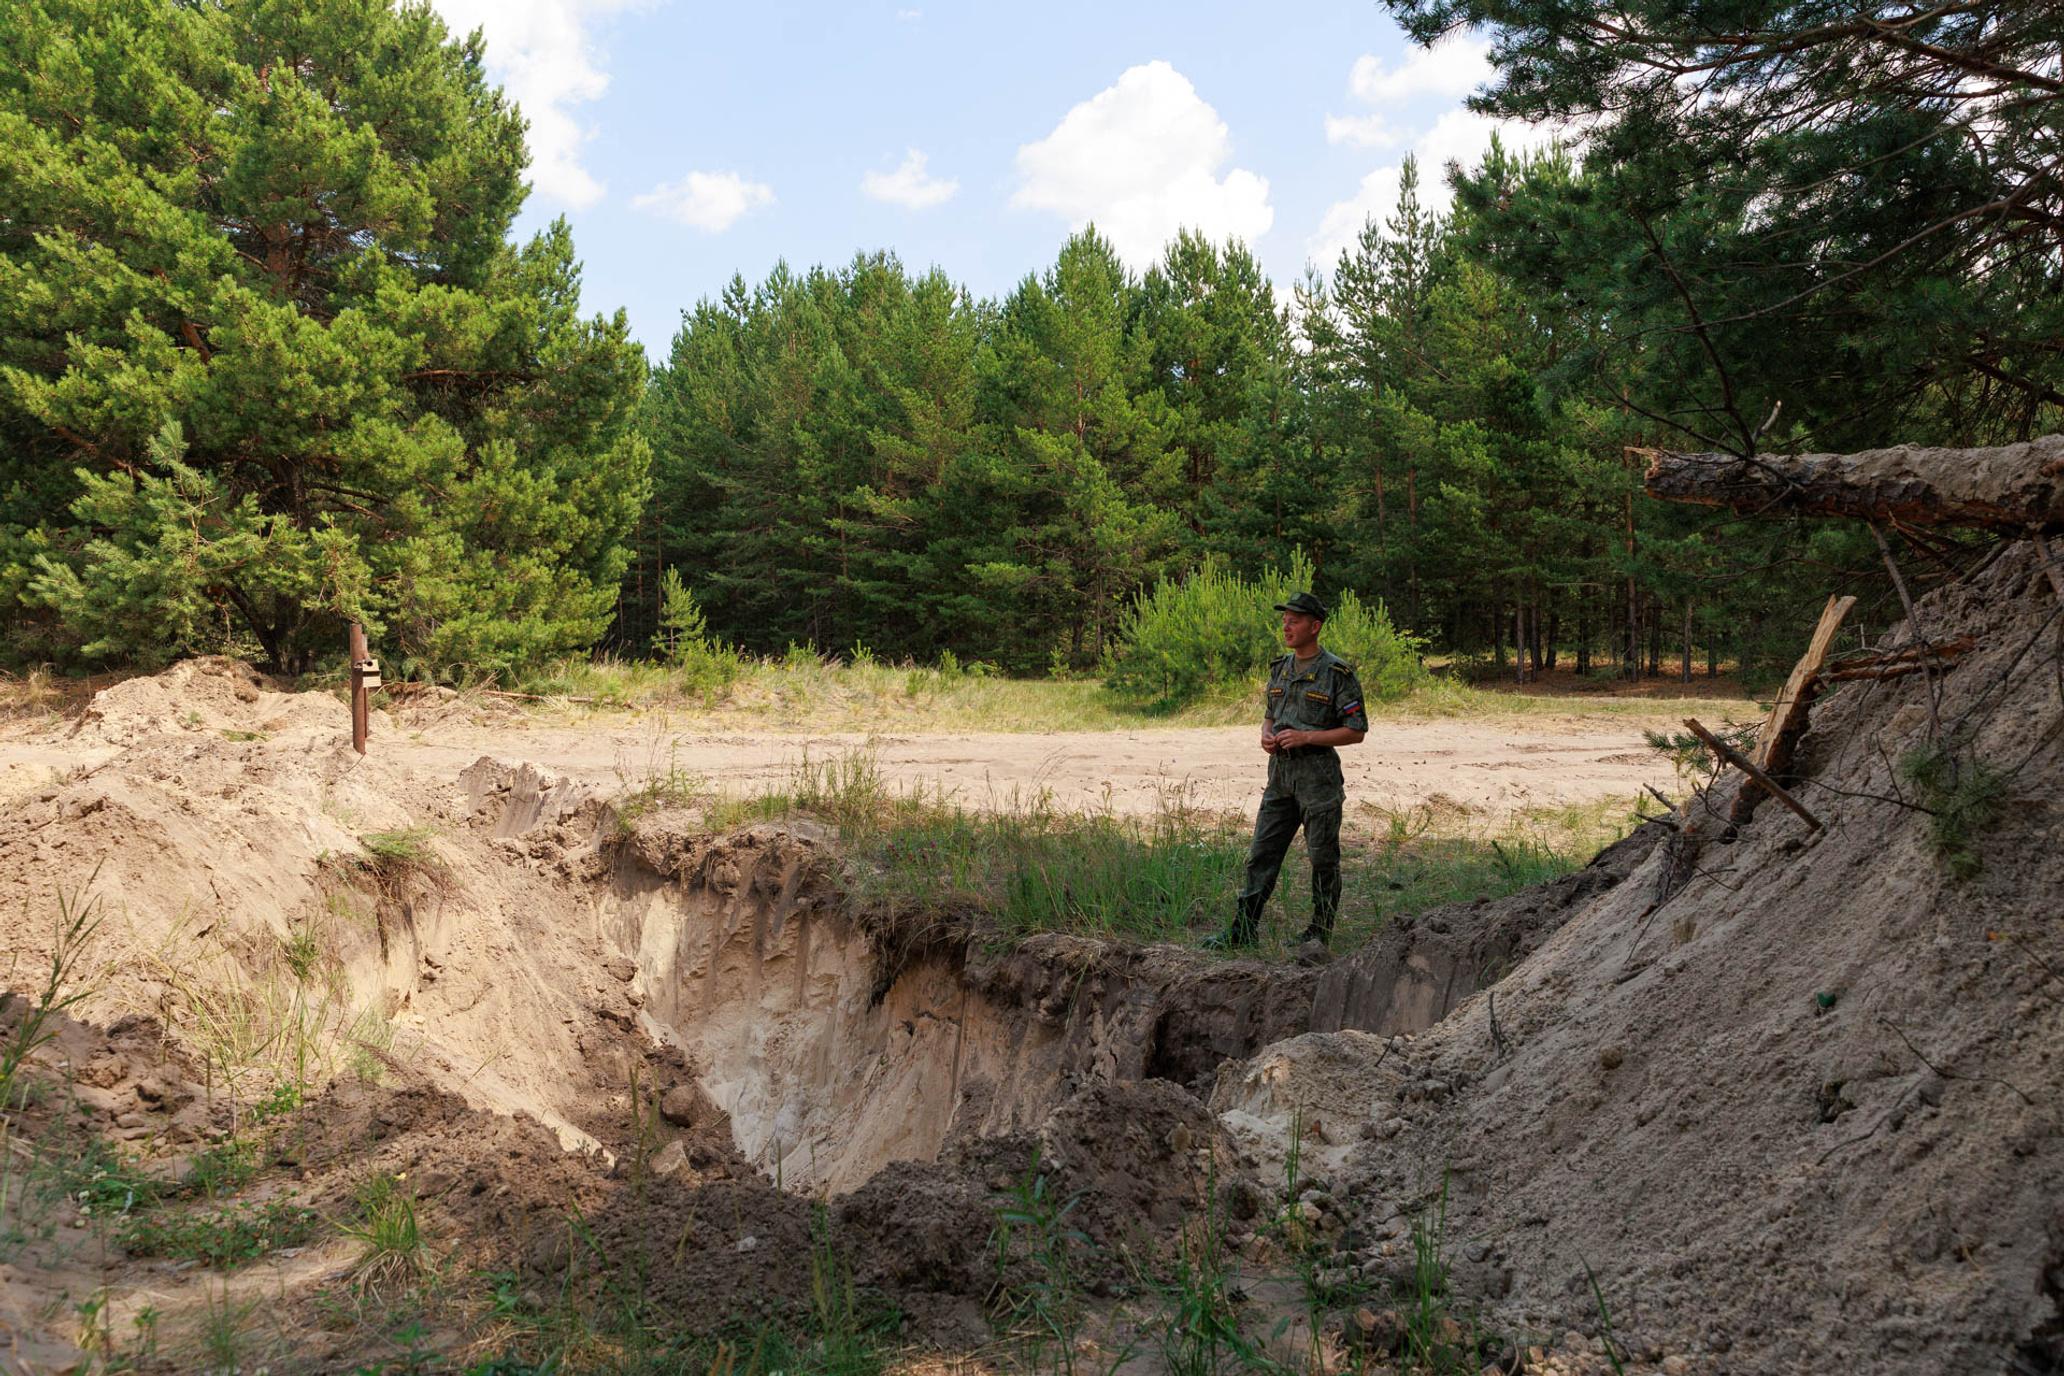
(1306, 603)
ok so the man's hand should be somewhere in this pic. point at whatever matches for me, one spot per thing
(1292, 739)
(1269, 739)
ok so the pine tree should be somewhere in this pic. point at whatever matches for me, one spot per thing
(267, 360)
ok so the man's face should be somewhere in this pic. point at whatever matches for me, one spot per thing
(1300, 632)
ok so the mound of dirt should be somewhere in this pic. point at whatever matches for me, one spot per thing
(211, 694)
(1800, 1114)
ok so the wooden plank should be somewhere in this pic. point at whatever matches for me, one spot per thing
(1799, 691)
(1749, 767)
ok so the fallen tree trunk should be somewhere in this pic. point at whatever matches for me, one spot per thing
(2016, 488)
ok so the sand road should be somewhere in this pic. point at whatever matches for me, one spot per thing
(1494, 767)
(1491, 767)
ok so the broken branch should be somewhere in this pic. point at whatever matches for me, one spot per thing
(1756, 775)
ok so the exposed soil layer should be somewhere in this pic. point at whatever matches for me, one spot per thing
(1794, 1105)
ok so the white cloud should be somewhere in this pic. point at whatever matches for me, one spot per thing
(907, 15)
(909, 185)
(1459, 136)
(709, 201)
(544, 54)
(1445, 72)
(1448, 70)
(1373, 130)
(1141, 159)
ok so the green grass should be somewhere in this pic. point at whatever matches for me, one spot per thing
(400, 850)
(392, 1247)
(1036, 1302)
(1170, 875)
(803, 692)
(223, 1238)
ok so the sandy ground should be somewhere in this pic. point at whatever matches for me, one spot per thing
(1494, 768)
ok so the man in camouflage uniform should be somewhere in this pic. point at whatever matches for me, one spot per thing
(1313, 705)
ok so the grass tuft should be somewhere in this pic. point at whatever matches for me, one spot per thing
(395, 854)
(393, 1250)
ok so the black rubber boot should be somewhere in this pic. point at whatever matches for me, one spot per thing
(1240, 932)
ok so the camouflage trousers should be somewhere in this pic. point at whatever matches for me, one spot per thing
(1305, 789)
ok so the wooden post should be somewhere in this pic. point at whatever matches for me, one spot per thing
(361, 708)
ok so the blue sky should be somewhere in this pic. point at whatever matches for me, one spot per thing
(686, 141)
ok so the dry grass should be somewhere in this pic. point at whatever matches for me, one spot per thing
(805, 693)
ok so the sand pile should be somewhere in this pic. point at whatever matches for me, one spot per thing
(1802, 1114)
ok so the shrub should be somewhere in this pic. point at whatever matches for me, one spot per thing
(704, 663)
(1215, 631)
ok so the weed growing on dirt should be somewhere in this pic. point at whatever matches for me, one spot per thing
(1436, 1341)
(225, 1167)
(302, 951)
(1035, 1299)
(250, 1025)
(1612, 1346)
(846, 1338)
(394, 856)
(79, 916)
(655, 785)
(224, 1325)
(393, 1251)
(1199, 1332)
(224, 1238)
(1963, 796)
(1292, 1229)
(100, 1180)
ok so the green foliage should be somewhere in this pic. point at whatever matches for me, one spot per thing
(392, 1248)
(104, 1183)
(1964, 797)
(225, 1167)
(225, 1238)
(661, 786)
(702, 663)
(1037, 1300)
(1214, 631)
(1849, 263)
(395, 854)
(1199, 1333)
(1028, 865)
(268, 360)
(846, 1332)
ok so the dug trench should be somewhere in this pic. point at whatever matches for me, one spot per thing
(836, 1045)
(593, 1047)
